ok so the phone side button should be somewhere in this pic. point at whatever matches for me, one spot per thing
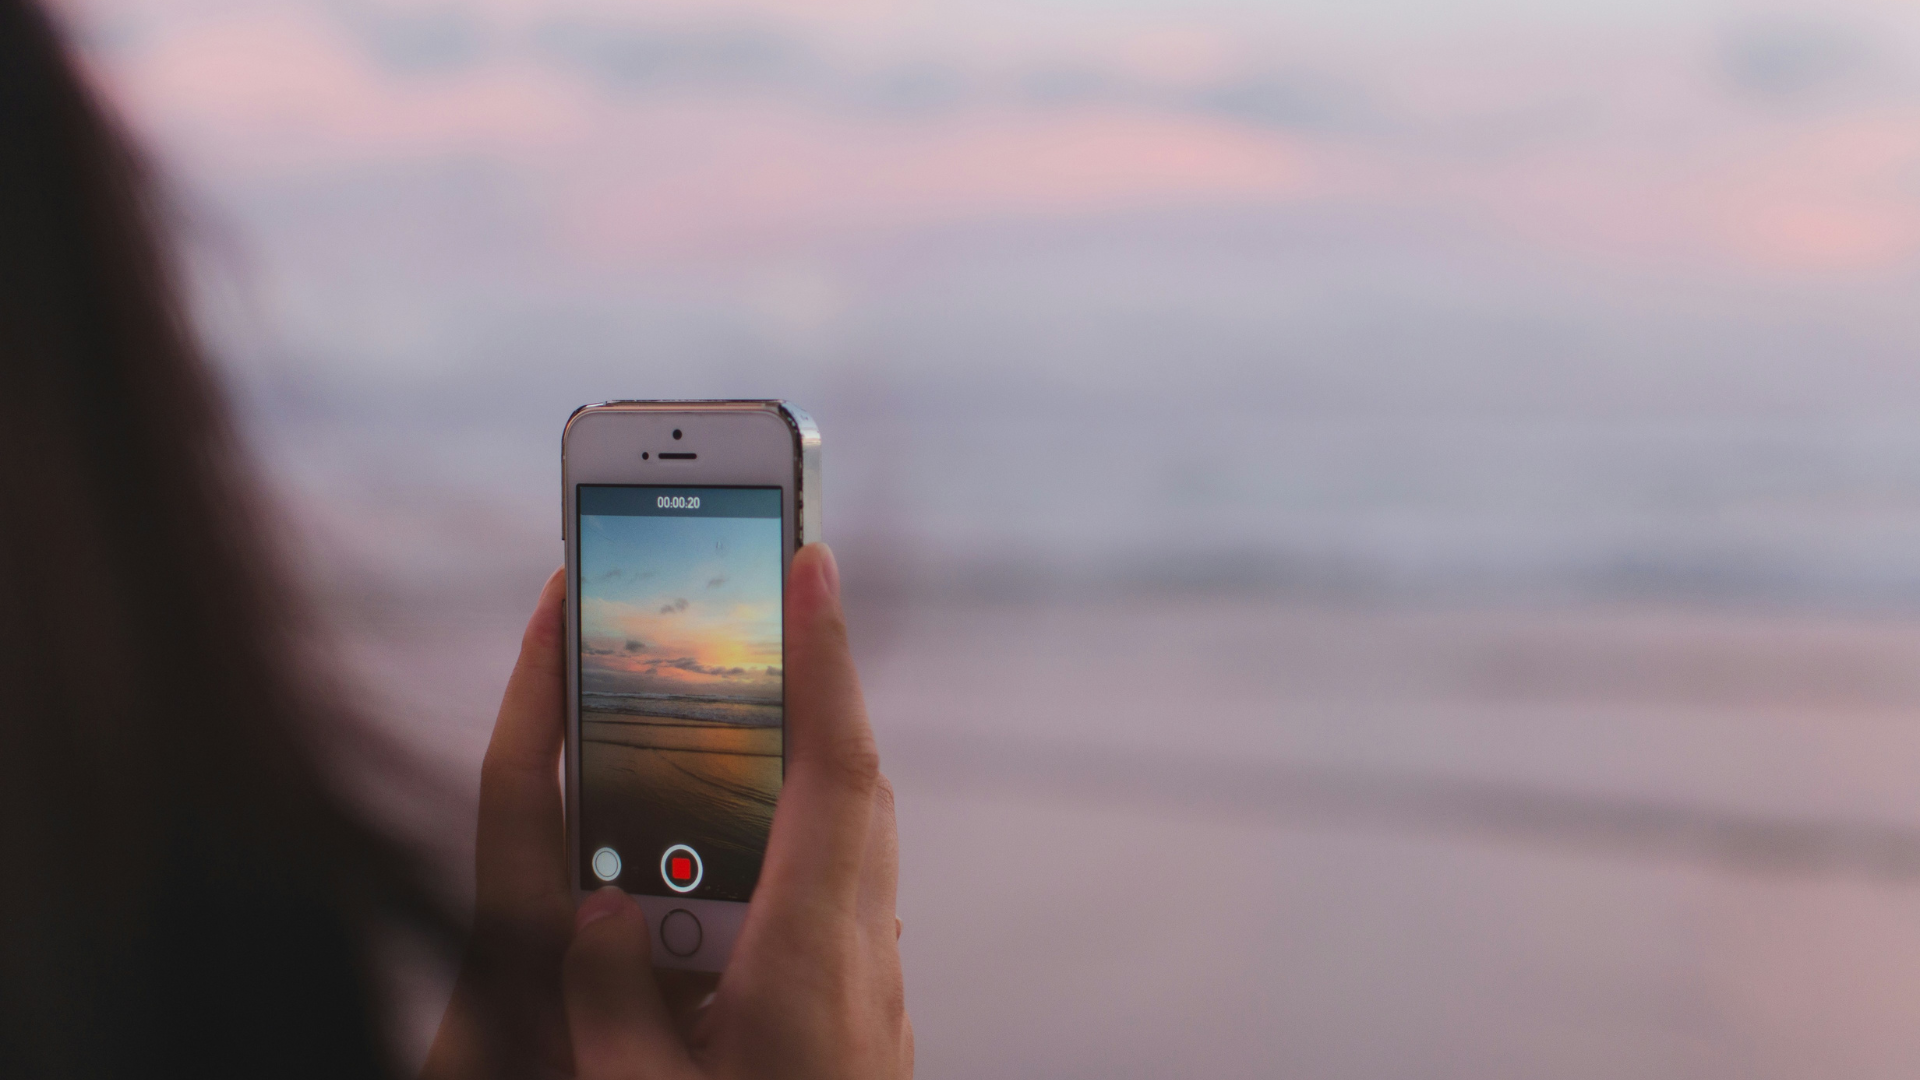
(680, 932)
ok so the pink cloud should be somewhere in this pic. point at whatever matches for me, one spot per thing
(1832, 196)
(1611, 149)
(285, 88)
(751, 174)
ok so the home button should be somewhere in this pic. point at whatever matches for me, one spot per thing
(680, 932)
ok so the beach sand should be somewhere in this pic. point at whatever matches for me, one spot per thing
(649, 782)
(1226, 838)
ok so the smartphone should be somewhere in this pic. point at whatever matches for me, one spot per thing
(682, 518)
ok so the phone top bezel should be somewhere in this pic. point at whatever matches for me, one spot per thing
(740, 443)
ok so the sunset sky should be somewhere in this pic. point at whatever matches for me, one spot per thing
(1569, 293)
(680, 605)
(1762, 136)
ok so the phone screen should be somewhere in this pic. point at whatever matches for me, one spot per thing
(680, 686)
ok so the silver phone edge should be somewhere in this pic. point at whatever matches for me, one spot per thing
(806, 480)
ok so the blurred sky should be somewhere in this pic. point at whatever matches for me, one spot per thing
(1528, 299)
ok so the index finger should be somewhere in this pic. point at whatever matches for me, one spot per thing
(519, 857)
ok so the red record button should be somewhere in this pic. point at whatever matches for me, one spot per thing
(681, 868)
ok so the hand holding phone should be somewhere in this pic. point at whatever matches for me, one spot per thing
(814, 988)
(814, 984)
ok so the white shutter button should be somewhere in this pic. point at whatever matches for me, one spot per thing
(606, 864)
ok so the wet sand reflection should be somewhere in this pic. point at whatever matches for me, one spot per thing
(649, 782)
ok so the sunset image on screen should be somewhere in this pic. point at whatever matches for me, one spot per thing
(680, 685)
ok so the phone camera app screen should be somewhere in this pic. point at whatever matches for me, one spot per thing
(680, 686)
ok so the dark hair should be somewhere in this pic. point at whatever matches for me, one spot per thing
(183, 890)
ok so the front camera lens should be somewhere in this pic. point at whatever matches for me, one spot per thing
(676, 433)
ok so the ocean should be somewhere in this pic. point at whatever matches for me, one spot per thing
(718, 708)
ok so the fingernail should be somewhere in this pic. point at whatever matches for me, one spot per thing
(605, 901)
(830, 571)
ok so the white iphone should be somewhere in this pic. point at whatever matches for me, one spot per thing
(681, 520)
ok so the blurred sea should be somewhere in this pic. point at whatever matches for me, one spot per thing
(708, 708)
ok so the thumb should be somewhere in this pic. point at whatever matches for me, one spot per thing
(619, 1023)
